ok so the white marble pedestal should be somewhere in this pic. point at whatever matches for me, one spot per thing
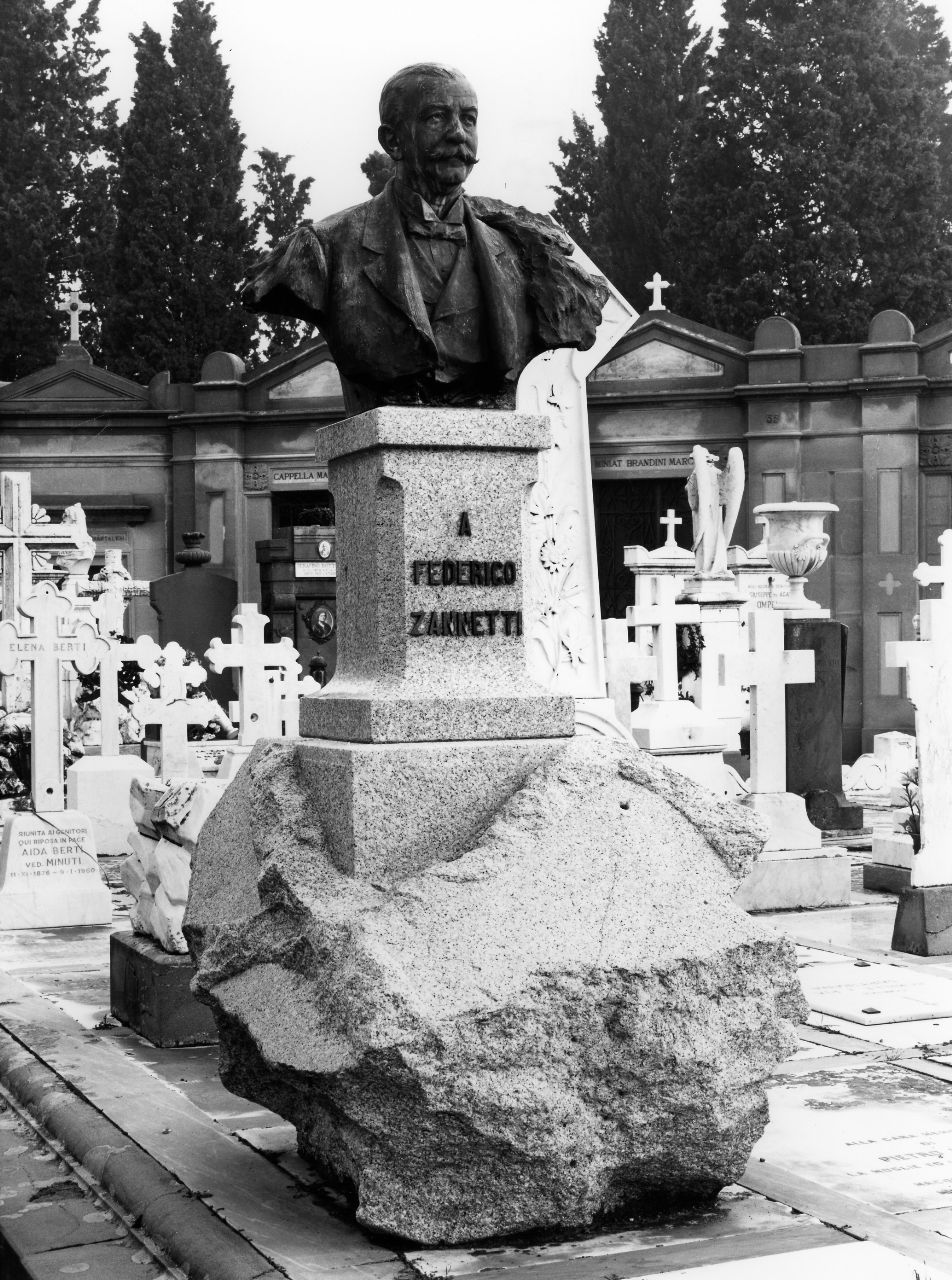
(98, 786)
(890, 867)
(49, 875)
(796, 870)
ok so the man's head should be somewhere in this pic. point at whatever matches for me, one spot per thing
(428, 127)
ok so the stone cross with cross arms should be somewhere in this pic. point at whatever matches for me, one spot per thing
(671, 520)
(143, 651)
(768, 668)
(928, 664)
(21, 536)
(656, 284)
(173, 710)
(664, 616)
(47, 646)
(265, 673)
(74, 309)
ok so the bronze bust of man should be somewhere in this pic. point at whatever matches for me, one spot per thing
(427, 296)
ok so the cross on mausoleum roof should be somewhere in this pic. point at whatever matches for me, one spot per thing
(930, 575)
(656, 284)
(74, 308)
(671, 521)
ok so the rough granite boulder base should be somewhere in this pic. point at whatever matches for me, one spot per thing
(570, 1021)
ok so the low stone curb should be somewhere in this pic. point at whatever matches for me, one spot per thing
(192, 1236)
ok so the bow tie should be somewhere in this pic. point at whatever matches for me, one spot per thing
(454, 231)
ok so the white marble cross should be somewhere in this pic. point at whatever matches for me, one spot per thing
(768, 668)
(656, 284)
(626, 664)
(143, 651)
(173, 710)
(563, 613)
(671, 521)
(47, 646)
(265, 673)
(928, 575)
(74, 308)
(21, 536)
(664, 616)
(928, 664)
(113, 588)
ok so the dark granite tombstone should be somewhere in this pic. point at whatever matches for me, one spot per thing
(815, 726)
(194, 606)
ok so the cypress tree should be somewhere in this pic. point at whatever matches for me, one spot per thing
(91, 136)
(209, 162)
(182, 238)
(615, 193)
(281, 205)
(139, 330)
(54, 140)
(817, 182)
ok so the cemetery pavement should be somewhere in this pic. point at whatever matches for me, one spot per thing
(853, 1176)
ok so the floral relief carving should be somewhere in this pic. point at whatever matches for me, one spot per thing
(935, 450)
(256, 477)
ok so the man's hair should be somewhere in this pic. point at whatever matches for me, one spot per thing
(395, 92)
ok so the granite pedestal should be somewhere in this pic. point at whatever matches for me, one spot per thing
(924, 921)
(149, 991)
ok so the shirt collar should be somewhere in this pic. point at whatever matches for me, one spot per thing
(413, 205)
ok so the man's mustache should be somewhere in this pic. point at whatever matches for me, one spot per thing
(466, 154)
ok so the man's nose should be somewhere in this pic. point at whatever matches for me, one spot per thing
(455, 129)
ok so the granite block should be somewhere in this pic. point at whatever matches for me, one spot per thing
(392, 809)
(373, 718)
(150, 992)
(885, 877)
(421, 428)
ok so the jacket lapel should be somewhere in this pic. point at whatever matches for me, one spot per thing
(389, 269)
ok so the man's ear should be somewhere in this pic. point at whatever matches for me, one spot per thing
(389, 140)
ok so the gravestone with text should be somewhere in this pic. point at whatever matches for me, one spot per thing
(481, 881)
(49, 876)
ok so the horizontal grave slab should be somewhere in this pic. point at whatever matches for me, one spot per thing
(886, 1133)
(870, 994)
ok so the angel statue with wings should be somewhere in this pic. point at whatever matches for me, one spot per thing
(714, 497)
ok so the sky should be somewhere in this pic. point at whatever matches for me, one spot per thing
(307, 76)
